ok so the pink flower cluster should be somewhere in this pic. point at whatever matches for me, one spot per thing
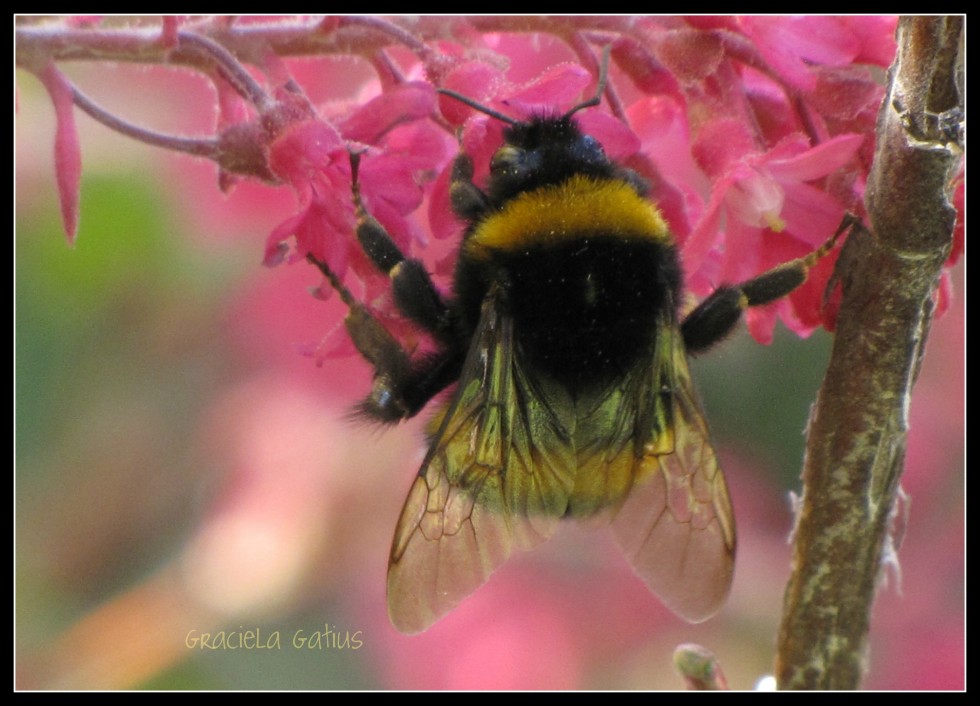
(312, 155)
(756, 135)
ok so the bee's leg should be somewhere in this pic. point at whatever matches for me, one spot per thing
(402, 386)
(414, 293)
(716, 316)
(468, 202)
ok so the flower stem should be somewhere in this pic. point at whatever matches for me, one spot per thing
(201, 147)
(231, 69)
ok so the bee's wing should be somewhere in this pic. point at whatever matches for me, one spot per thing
(676, 525)
(497, 477)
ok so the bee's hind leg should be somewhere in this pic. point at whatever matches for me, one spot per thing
(714, 318)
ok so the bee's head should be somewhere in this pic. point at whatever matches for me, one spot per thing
(543, 150)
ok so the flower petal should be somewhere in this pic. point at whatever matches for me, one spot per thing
(826, 158)
(411, 101)
(67, 151)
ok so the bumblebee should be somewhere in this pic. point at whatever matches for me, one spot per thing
(573, 397)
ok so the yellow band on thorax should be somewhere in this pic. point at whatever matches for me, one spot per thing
(553, 214)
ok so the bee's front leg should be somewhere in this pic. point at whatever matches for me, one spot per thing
(403, 384)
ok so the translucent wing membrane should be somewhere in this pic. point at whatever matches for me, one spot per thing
(514, 454)
(676, 526)
(496, 478)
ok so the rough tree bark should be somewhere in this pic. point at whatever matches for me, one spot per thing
(857, 431)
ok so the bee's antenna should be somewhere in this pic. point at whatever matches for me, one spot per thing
(600, 88)
(478, 106)
(486, 110)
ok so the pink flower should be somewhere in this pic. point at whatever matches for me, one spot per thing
(67, 152)
(764, 206)
(313, 156)
(795, 46)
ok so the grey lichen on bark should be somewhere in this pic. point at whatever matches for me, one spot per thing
(858, 426)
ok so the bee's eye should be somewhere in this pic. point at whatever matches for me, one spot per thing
(588, 149)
